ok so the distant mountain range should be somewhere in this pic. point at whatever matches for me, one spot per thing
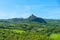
(30, 19)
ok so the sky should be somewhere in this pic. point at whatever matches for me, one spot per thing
(49, 9)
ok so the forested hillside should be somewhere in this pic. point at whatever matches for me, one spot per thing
(31, 28)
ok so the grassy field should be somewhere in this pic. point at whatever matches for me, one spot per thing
(55, 36)
(18, 31)
(13, 30)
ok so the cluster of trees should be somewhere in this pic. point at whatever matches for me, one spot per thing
(32, 30)
(6, 34)
(45, 28)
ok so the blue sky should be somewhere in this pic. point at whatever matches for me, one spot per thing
(49, 9)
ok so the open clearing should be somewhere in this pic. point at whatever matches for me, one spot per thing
(18, 31)
(55, 36)
(13, 30)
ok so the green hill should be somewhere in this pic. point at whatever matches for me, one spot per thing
(31, 28)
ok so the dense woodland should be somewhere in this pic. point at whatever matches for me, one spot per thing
(32, 28)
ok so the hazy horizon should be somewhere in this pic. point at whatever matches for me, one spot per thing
(49, 9)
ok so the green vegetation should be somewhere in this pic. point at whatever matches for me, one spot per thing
(17, 31)
(32, 28)
(55, 36)
(11, 35)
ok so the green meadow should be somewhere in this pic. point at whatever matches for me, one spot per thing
(18, 31)
(55, 36)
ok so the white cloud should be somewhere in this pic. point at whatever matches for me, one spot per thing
(27, 8)
(4, 15)
(26, 12)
